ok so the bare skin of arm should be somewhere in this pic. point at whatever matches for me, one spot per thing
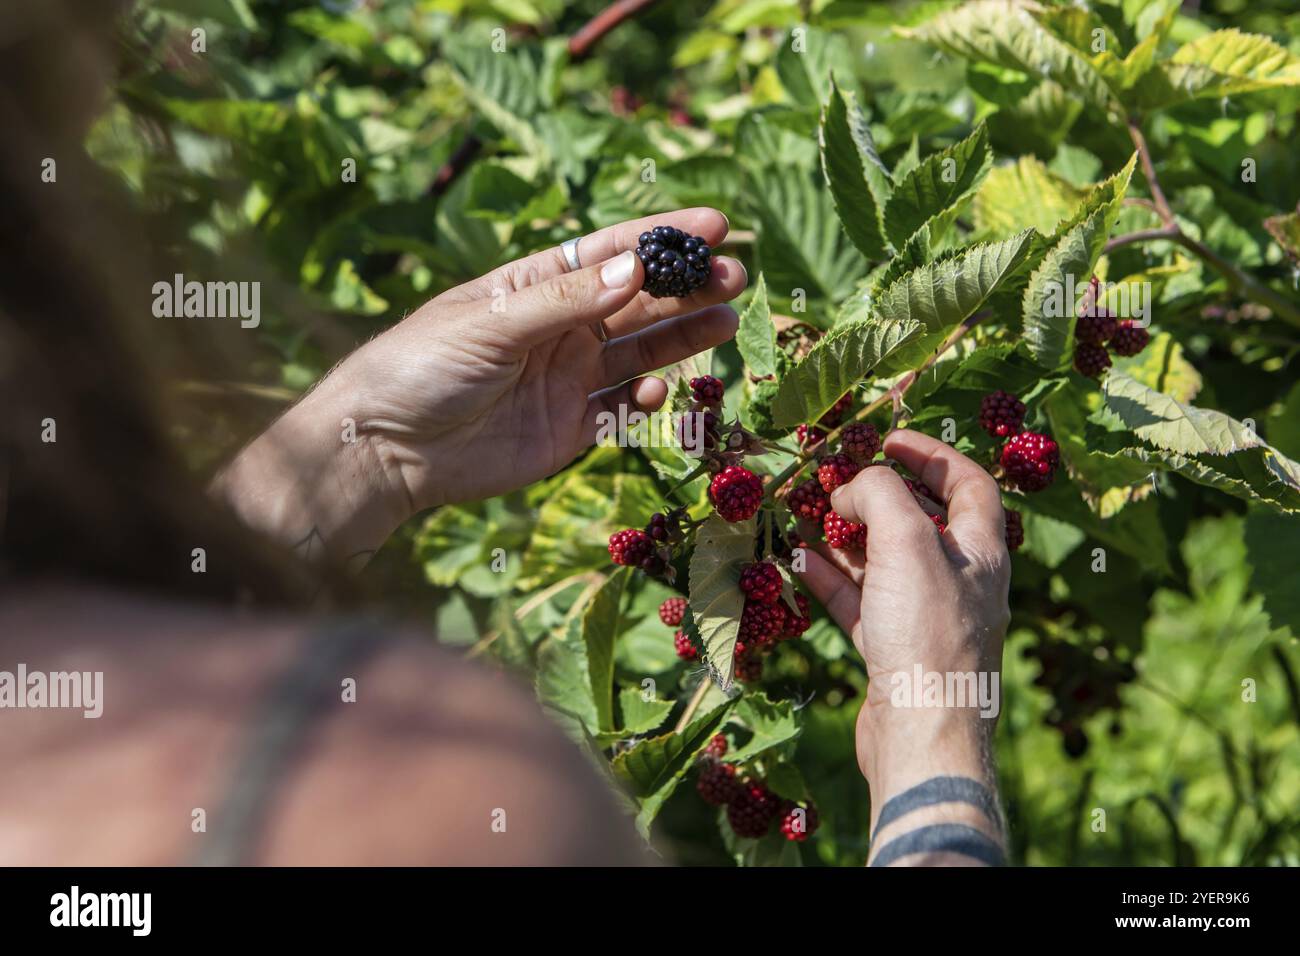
(489, 387)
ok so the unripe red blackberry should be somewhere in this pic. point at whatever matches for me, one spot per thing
(717, 746)
(1001, 414)
(631, 547)
(671, 611)
(938, 522)
(833, 417)
(717, 784)
(1030, 461)
(808, 435)
(809, 500)
(796, 825)
(844, 534)
(1095, 329)
(761, 582)
(1129, 339)
(752, 810)
(684, 648)
(661, 527)
(836, 470)
(796, 624)
(1091, 360)
(736, 493)
(707, 390)
(1015, 529)
(761, 623)
(860, 441)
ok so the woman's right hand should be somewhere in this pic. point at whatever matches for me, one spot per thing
(918, 597)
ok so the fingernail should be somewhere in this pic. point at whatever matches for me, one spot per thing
(744, 270)
(618, 271)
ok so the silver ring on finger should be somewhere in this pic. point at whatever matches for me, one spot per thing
(570, 249)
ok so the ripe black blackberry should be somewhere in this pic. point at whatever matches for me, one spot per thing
(675, 264)
(1129, 339)
(1091, 360)
(752, 811)
(717, 784)
(1095, 328)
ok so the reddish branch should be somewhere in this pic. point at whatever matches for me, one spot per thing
(1239, 279)
(580, 43)
(894, 397)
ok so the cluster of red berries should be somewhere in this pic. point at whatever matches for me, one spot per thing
(752, 807)
(811, 499)
(765, 620)
(650, 549)
(1029, 459)
(736, 492)
(1083, 681)
(1095, 329)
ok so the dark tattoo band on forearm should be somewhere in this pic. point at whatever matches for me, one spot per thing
(942, 838)
(940, 790)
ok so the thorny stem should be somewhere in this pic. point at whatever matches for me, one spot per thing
(894, 397)
(1238, 279)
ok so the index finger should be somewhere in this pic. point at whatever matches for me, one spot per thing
(592, 248)
(971, 495)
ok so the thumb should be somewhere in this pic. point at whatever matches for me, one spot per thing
(878, 498)
(543, 311)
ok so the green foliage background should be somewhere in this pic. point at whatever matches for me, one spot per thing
(236, 155)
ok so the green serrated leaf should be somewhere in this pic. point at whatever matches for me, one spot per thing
(801, 244)
(756, 335)
(858, 180)
(941, 294)
(715, 596)
(1222, 63)
(1052, 296)
(1165, 422)
(772, 724)
(641, 715)
(653, 768)
(838, 362)
(1023, 194)
(936, 186)
(1005, 32)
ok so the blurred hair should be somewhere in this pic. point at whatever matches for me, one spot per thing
(110, 501)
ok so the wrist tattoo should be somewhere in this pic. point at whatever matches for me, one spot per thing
(942, 838)
(945, 837)
(939, 790)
